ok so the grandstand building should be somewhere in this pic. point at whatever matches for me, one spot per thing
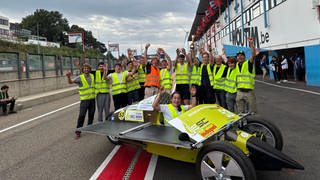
(279, 27)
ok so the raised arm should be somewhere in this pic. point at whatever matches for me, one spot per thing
(187, 57)
(70, 81)
(169, 61)
(193, 92)
(253, 50)
(156, 104)
(145, 55)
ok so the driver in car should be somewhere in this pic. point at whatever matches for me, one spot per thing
(174, 109)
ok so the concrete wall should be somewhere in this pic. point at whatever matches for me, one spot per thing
(25, 87)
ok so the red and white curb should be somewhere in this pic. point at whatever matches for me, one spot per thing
(127, 162)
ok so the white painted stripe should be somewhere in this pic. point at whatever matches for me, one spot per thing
(284, 87)
(151, 168)
(33, 119)
(105, 163)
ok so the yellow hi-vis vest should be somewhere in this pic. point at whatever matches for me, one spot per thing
(182, 74)
(165, 79)
(117, 86)
(134, 83)
(209, 74)
(142, 73)
(218, 80)
(245, 79)
(230, 81)
(195, 76)
(86, 92)
(101, 85)
(173, 111)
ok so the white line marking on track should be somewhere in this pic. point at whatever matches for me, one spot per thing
(284, 87)
(151, 168)
(43, 115)
(105, 162)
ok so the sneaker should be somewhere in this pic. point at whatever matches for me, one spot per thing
(78, 135)
(285, 81)
(12, 112)
(278, 82)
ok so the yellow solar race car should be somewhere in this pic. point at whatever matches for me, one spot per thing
(223, 145)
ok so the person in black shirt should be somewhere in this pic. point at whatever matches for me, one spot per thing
(6, 99)
(206, 94)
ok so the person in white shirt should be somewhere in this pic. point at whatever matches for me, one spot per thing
(284, 66)
(174, 109)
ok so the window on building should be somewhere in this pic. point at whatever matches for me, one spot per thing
(238, 22)
(256, 11)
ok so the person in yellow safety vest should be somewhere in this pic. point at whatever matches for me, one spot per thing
(142, 76)
(182, 71)
(165, 72)
(102, 88)
(245, 81)
(152, 80)
(133, 85)
(119, 86)
(219, 73)
(175, 108)
(230, 85)
(85, 81)
(206, 94)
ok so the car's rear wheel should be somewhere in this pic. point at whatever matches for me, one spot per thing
(265, 131)
(224, 161)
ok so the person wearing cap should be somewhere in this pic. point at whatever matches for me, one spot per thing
(6, 99)
(152, 80)
(219, 73)
(133, 85)
(230, 85)
(102, 88)
(119, 86)
(86, 84)
(245, 81)
(183, 70)
(206, 94)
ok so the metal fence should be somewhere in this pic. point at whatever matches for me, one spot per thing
(14, 67)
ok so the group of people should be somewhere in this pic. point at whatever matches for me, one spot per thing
(228, 82)
(279, 67)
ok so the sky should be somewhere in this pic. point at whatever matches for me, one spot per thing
(131, 23)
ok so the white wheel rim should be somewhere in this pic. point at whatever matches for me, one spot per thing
(220, 166)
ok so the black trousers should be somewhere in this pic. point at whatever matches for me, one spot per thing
(206, 95)
(4, 105)
(221, 97)
(141, 91)
(86, 105)
(120, 100)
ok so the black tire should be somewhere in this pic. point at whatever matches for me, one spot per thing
(228, 157)
(114, 140)
(265, 131)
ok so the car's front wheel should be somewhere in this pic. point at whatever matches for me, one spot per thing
(224, 161)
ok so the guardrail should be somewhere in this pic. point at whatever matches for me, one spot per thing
(17, 66)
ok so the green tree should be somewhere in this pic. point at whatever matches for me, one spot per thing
(47, 24)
